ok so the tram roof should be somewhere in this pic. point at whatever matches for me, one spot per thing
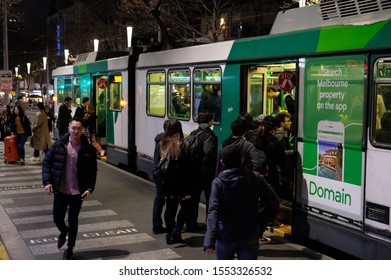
(190, 55)
(316, 40)
(331, 13)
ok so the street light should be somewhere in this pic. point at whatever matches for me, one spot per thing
(66, 55)
(96, 45)
(44, 93)
(44, 59)
(129, 31)
(17, 80)
(28, 77)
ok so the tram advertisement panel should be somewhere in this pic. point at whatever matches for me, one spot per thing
(332, 135)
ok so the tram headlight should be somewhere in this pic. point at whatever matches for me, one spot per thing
(123, 103)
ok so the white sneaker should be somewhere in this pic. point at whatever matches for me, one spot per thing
(34, 159)
(264, 240)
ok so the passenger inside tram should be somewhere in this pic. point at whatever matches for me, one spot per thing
(383, 135)
(181, 101)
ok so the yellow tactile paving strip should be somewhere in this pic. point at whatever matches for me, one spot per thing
(3, 252)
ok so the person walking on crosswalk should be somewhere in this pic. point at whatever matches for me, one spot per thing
(69, 170)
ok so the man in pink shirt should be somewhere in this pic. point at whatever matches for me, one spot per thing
(69, 171)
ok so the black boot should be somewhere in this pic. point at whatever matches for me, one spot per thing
(169, 241)
(176, 236)
(69, 254)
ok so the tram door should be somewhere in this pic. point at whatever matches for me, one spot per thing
(377, 191)
(100, 99)
(268, 86)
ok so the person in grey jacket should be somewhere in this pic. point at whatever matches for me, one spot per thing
(233, 215)
(69, 170)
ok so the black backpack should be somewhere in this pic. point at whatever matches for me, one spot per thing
(164, 171)
(196, 147)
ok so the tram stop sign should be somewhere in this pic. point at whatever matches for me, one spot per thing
(287, 80)
(102, 83)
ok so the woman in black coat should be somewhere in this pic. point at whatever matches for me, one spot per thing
(176, 187)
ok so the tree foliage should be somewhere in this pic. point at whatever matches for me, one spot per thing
(165, 23)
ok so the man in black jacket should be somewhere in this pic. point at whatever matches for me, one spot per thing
(81, 110)
(64, 115)
(203, 170)
(69, 171)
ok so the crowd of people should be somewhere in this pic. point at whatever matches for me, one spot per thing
(14, 122)
(242, 183)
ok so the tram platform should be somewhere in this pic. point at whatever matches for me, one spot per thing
(115, 223)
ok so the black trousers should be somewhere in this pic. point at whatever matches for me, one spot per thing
(63, 202)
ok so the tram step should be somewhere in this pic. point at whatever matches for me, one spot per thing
(283, 231)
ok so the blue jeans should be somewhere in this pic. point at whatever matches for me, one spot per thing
(246, 249)
(21, 140)
(158, 204)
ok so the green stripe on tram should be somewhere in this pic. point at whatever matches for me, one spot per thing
(324, 39)
(99, 66)
(354, 37)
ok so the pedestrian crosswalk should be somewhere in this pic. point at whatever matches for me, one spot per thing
(27, 222)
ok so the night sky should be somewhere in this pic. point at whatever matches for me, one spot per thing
(30, 41)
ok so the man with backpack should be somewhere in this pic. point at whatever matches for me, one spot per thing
(203, 146)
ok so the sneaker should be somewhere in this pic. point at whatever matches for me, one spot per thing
(264, 240)
(34, 159)
(21, 162)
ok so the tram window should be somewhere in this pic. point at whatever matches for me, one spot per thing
(383, 114)
(256, 84)
(207, 92)
(382, 107)
(179, 94)
(115, 92)
(156, 93)
(76, 90)
(64, 89)
(85, 82)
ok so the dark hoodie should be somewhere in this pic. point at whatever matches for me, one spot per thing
(234, 206)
